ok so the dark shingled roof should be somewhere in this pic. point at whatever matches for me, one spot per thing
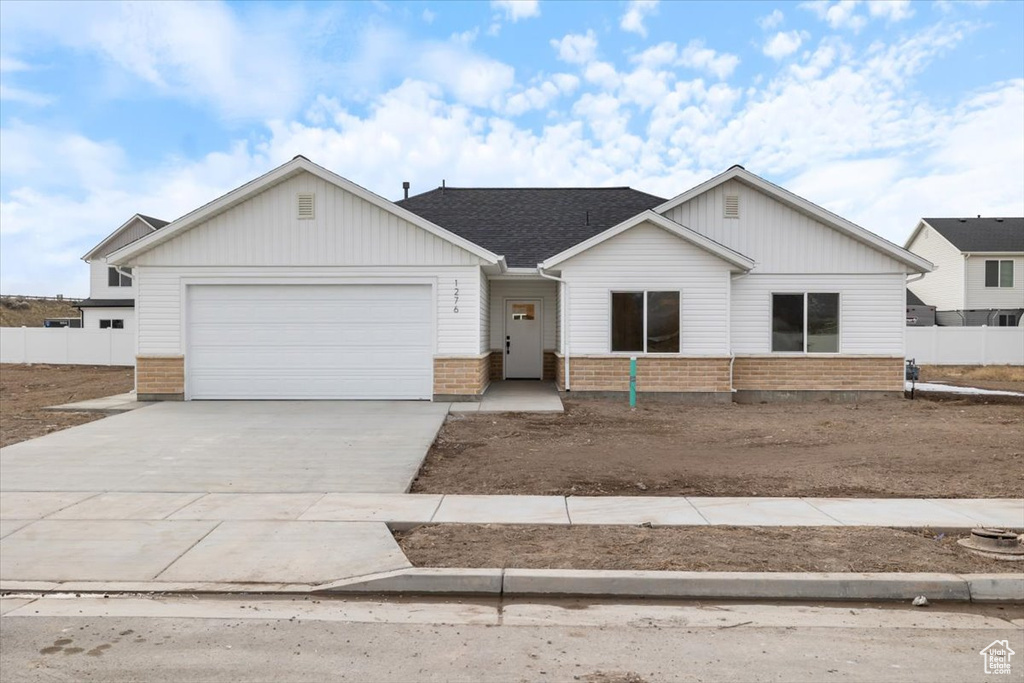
(981, 234)
(105, 303)
(155, 222)
(914, 300)
(528, 225)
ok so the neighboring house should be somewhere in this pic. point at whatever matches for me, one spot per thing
(111, 302)
(303, 285)
(919, 314)
(979, 269)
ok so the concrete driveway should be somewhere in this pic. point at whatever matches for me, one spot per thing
(233, 446)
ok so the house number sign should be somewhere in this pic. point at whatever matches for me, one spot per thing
(456, 308)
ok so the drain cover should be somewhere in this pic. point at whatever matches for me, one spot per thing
(996, 543)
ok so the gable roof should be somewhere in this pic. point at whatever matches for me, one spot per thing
(148, 221)
(297, 165)
(798, 203)
(978, 234)
(529, 224)
(692, 236)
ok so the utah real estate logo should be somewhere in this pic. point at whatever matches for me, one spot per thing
(997, 657)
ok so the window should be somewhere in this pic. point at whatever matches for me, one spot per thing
(522, 311)
(1007, 320)
(116, 324)
(645, 322)
(805, 323)
(998, 273)
(116, 278)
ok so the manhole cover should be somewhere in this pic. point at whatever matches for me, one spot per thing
(999, 544)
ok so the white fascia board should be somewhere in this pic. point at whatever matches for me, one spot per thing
(823, 215)
(695, 238)
(92, 252)
(277, 175)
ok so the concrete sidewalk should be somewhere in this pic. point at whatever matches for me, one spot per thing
(18, 509)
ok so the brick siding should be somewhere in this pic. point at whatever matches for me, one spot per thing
(462, 376)
(160, 376)
(821, 373)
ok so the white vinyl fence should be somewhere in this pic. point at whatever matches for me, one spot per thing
(67, 346)
(966, 345)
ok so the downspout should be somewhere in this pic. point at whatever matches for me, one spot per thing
(963, 306)
(564, 326)
(732, 354)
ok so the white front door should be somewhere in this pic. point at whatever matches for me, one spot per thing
(524, 357)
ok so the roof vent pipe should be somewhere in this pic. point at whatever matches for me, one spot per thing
(405, 188)
(442, 185)
(588, 218)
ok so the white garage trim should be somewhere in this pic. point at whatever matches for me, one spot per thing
(334, 354)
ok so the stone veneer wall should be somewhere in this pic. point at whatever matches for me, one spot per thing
(653, 374)
(160, 378)
(818, 373)
(462, 376)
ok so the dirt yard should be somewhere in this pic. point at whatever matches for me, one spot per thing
(26, 389)
(888, 448)
(761, 549)
(998, 377)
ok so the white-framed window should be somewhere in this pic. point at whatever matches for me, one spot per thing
(998, 273)
(805, 322)
(113, 324)
(1007, 320)
(645, 321)
(119, 278)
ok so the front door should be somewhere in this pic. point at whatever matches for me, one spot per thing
(524, 357)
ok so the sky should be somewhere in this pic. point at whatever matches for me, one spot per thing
(882, 112)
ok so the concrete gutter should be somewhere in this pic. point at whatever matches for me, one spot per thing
(1005, 588)
(598, 584)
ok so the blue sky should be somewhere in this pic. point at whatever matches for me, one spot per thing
(880, 111)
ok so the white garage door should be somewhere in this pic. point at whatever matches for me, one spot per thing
(309, 342)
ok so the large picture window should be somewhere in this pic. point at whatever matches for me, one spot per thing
(645, 322)
(805, 323)
(998, 273)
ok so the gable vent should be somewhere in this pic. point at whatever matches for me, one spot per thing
(732, 206)
(307, 205)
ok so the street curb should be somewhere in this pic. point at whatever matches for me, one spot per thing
(1004, 588)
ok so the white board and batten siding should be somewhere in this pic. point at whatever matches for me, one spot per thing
(944, 286)
(980, 296)
(648, 258)
(780, 239)
(872, 310)
(514, 288)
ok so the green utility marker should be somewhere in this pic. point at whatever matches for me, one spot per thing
(632, 382)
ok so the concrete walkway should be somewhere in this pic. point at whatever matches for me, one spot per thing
(515, 396)
(119, 403)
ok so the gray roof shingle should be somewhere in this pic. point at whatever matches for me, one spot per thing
(528, 225)
(981, 234)
(914, 299)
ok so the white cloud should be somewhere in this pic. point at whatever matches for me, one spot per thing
(771, 21)
(891, 10)
(784, 43)
(517, 9)
(658, 56)
(428, 16)
(636, 13)
(840, 14)
(542, 95)
(576, 48)
(602, 74)
(10, 65)
(34, 99)
(696, 56)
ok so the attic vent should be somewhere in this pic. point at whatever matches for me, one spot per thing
(732, 206)
(307, 204)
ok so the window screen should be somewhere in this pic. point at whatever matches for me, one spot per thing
(663, 322)
(1006, 273)
(822, 323)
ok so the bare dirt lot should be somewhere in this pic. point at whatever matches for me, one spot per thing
(760, 549)
(887, 448)
(998, 377)
(26, 389)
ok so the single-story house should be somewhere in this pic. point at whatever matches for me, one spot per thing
(111, 302)
(303, 285)
(978, 277)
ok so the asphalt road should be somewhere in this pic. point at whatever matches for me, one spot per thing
(184, 639)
